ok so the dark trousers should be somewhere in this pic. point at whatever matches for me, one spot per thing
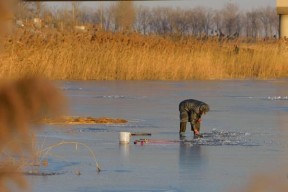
(183, 126)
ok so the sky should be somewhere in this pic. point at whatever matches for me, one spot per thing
(184, 4)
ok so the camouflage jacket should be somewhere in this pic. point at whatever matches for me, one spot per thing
(193, 108)
(191, 105)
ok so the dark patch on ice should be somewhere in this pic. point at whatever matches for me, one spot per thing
(143, 190)
(53, 168)
(131, 126)
(122, 171)
(93, 129)
(123, 189)
(43, 173)
(116, 97)
(114, 127)
(117, 170)
(56, 166)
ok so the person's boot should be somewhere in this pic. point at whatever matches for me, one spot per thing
(182, 129)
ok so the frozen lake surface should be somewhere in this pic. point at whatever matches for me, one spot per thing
(246, 128)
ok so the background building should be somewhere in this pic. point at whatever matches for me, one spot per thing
(282, 10)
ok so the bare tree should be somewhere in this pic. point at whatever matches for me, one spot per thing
(253, 23)
(63, 19)
(159, 22)
(142, 20)
(193, 22)
(230, 14)
(124, 15)
(22, 10)
(217, 20)
(177, 21)
(268, 16)
(39, 6)
(198, 21)
(28, 10)
(75, 11)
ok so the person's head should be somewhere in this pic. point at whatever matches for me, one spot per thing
(204, 108)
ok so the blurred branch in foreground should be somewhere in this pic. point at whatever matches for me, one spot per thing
(22, 103)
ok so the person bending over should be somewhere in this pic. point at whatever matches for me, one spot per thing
(191, 111)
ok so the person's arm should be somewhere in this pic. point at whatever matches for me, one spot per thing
(196, 128)
(196, 119)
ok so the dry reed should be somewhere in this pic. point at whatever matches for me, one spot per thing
(83, 120)
(119, 56)
(44, 152)
(22, 103)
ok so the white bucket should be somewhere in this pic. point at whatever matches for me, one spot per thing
(124, 137)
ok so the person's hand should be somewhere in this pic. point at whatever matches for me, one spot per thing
(196, 132)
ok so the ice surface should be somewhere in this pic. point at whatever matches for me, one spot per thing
(243, 133)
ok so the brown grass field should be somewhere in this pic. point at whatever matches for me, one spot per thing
(121, 56)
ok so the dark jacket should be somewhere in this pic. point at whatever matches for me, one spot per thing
(191, 110)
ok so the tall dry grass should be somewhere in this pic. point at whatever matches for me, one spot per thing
(118, 56)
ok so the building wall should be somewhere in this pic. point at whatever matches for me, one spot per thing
(282, 3)
(282, 10)
(283, 26)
